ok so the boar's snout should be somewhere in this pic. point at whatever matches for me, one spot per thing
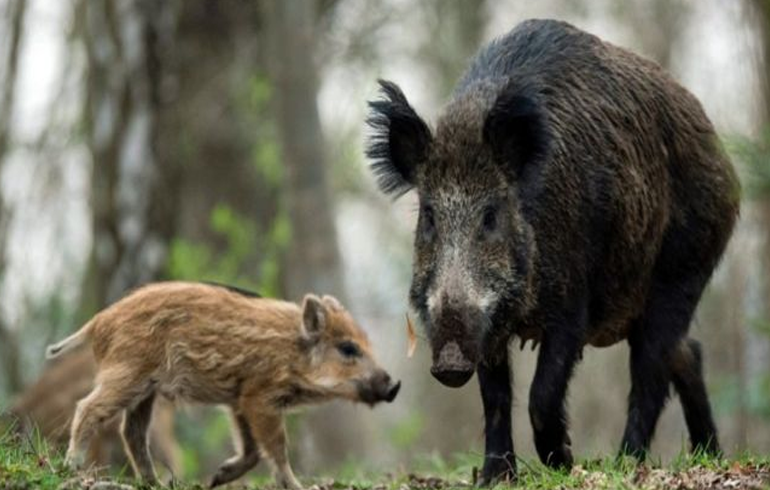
(380, 388)
(451, 367)
(455, 340)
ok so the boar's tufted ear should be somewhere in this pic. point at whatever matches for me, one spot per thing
(313, 315)
(516, 130)
(399, 142)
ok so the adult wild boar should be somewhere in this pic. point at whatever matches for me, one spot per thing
(572, 194)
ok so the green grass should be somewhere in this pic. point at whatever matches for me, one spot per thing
(27, 462)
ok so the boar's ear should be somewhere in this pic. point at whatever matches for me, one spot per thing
(516, 130)
(313, 315)
(399, 142)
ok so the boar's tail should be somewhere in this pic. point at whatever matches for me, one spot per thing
(74, 340)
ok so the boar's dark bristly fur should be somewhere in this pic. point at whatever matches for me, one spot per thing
(572, 194)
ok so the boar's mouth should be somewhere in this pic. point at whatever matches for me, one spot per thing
(451, 368)
(455, 350)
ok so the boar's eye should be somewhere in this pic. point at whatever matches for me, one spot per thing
(489, 221)
(349, 349)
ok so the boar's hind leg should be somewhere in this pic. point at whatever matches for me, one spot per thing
(559, 352)
(247, 457)
(499, 458)
(136, 422)
(656, 339)
(687, 375)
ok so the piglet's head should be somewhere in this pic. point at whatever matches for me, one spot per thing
(342, 363)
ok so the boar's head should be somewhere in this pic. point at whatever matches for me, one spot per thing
(473, 247)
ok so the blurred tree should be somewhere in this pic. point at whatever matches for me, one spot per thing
(657, 25)
(313, 260)
(761, 168)
(134, 192)
(762, 8)
(12, 29)
(13, 24)
(231, 222)
(454, 32)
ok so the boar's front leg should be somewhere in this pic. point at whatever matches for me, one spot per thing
(495, 383)
(559, 351)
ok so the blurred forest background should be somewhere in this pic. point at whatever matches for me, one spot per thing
(222, 140)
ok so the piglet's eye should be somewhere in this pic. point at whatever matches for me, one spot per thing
(349, 349)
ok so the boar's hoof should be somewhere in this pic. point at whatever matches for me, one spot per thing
(561, 458)
(498, 469)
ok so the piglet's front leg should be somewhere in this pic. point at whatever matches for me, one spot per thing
(499, 458)
(270, 431)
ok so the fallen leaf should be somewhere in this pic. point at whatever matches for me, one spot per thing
(412, 337)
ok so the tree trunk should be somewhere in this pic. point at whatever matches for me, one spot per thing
(13, 23)
(762, 8)
(226, 134)
(313, 262)
(662, 26)
(455, 32)
(134, 191)
(761, 348)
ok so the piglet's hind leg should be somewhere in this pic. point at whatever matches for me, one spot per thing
(116, 389)
(247, 457)
(136, 422)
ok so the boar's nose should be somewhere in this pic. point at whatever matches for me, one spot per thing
(392, 392)
(452, 368)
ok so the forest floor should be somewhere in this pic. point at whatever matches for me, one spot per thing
(28, 464)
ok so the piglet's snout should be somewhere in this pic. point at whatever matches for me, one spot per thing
(392, 391)
(380, 388)
(385, 388)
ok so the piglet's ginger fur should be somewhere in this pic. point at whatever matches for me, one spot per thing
(218, 345)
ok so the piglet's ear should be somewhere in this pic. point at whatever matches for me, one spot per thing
(313, 315)
(399, 142)
(332, 302)
(517, 131)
